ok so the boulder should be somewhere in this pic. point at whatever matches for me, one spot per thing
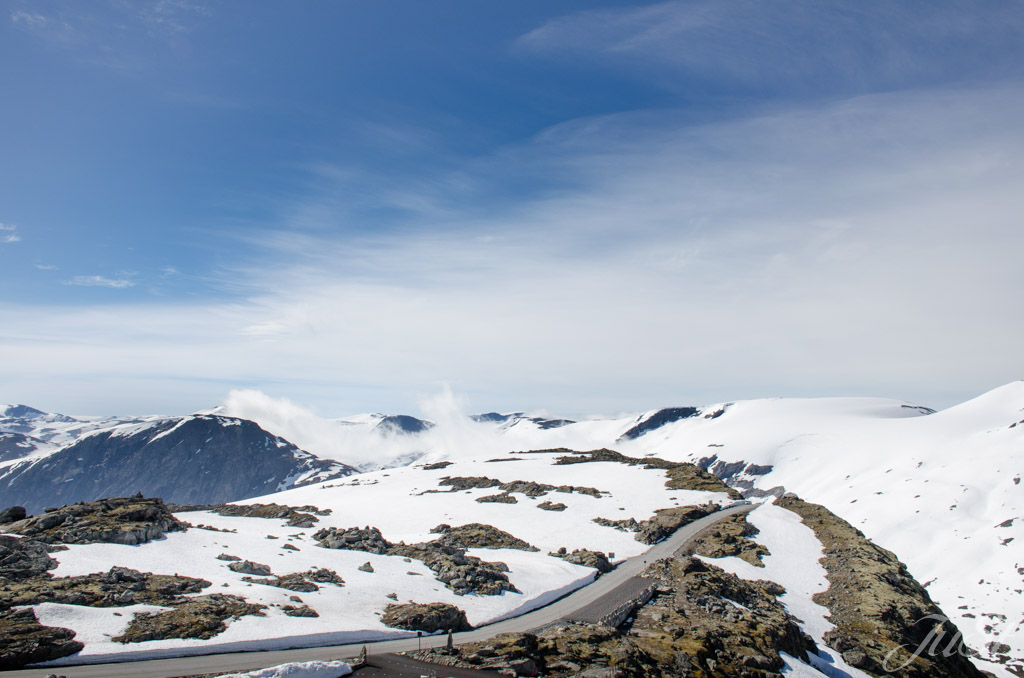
(428, 618)
(10, 515)
(249, 567)
(26, 641)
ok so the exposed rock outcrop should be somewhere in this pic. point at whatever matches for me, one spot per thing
(528, 487)
(503, 498)
(662, 524)
(368, 539)
(881, 613)
(428, 617)
(680, 476)
(117, 587)
(479, 536)
(586, 558)
(297, 516)
(12, 514)
(118, 520)
(730, 537)
(23, 557)
(702, 623)
(199, 617)
(302, 582)
(460, 572)
(249, 567)
(26, 641)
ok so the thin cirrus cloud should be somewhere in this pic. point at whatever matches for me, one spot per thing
(9, 234)
(843, 244)
(842, 248)
(847, 248)
(855, 46)
(100, 281)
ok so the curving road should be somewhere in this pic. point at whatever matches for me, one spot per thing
(248, 661)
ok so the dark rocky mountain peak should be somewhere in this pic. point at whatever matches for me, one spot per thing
(403, 423)
(199, 459)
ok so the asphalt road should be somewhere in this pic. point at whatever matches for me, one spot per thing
(249, 661)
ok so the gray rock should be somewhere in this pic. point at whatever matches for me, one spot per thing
(249, 567)
(9, 515)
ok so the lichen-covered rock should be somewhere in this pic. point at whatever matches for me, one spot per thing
(118, 520)
(586, 558)
(714, 616)
(21, 558)
(249, 567)
(428, 617)
(730, 537)
(462, 573)
(702, 623)
(303, 582)
(119, 586)
(662, 524)
(881, 613)
(479, 536)
(301, 611)
(666, 521)
(23, 640)
(459, 483)
(297, 516)
(503, 498)
(199, 617)
(368, 539)
(528, 487)
(679, 476)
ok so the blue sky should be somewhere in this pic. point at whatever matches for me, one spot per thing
(580, 207)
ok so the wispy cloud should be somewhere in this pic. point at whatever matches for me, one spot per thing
(117, 36)
(46, 267)
(855, 46)
(29, 19)
(842, 248)
(101, 281)
(9, 233)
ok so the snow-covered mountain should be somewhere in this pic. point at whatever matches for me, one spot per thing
(940, 489)
(198, 459)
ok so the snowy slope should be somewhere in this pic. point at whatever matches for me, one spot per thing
(943, 490)
(395, 502)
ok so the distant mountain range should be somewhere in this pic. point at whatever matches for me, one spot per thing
(195, 459)
(941, 489)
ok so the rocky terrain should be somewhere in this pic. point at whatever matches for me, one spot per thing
(680, 475)
(585, 557)
(731, 537)
(428, 618)
(663, 523)
(461, 573)
(881, 613)
(181, 459)
(26, 641)
(528, 488)
(197, 617)
(117, 520)
(701, 623)
(297, 516)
